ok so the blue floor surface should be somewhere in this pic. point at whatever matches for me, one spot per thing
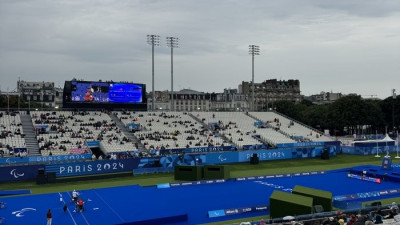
(136, 205)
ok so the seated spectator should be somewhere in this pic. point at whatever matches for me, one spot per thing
(360, 220)
(378, 218)
(395, 208)
(352, 220)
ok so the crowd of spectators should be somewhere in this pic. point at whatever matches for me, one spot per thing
(386, 215)
(63, 132)
(161, 131)
(11, 134)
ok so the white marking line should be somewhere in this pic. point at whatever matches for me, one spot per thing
(109, 206)
(68, 210)
(70, 197)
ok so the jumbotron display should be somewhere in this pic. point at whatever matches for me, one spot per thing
(106, 92)
(96, 94)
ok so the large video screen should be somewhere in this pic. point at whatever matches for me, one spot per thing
(102, 92)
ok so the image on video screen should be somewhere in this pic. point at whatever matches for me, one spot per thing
(125, 93)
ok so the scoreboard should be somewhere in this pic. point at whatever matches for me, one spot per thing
(108, 95)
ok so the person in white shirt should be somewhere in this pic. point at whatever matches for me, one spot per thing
(75, 196)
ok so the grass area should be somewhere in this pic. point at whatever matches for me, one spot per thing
(237, 170)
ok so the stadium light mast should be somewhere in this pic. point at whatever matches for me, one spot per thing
(394, 99)
(8, 100)
(19, 91)
(153, 40)
(172, 42)
(253, 50)
(397, 147)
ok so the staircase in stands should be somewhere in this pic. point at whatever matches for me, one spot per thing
(30, 136)
(127, 133)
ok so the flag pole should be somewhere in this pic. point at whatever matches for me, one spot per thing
(377, 145)
(397, 147)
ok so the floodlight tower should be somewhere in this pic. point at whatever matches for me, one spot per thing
(393, 101)
(153, 40)
(253, 50)
(172, 42)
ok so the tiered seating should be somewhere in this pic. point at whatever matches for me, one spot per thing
(62, 136)
(270, 135)
(11, 133)
(170, 130)
(127, 117)
(290, 127)
(236, 126)
(69, 131)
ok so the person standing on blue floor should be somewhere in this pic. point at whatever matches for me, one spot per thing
(79, 206)
(49, 217)
(65, 208)
(75, 195)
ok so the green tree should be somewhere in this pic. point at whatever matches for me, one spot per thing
(353, 112)
(287, 108)
(391, 107)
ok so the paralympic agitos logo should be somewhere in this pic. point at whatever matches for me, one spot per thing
(15, 174)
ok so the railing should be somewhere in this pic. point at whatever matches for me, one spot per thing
(304, 125)
(323, 216)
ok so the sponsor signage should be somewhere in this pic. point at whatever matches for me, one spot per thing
(308, 144)
(44, 159)
(163, 185)
(16, 173)
(279, 176)
(197, 150)
(216, 213)
(59, 158)
(300, 144)
(188, 183)
(222, 158)
(95, 167)
(366, 195)
(13, 160)
(93, 143)
(209, 149)
(235, 211)
(370, 179)
(265, 155)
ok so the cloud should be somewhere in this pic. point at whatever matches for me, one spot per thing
(344, 46)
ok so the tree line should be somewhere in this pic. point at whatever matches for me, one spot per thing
(348, 115)
(12, 103)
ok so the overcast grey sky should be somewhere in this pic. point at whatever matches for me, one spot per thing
(341, 46)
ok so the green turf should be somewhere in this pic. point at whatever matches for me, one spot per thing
(237, 170)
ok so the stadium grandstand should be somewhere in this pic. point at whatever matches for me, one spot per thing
(109, 134)
(67, 132)
(12, 134)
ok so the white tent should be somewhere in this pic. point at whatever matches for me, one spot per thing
(387, 139)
